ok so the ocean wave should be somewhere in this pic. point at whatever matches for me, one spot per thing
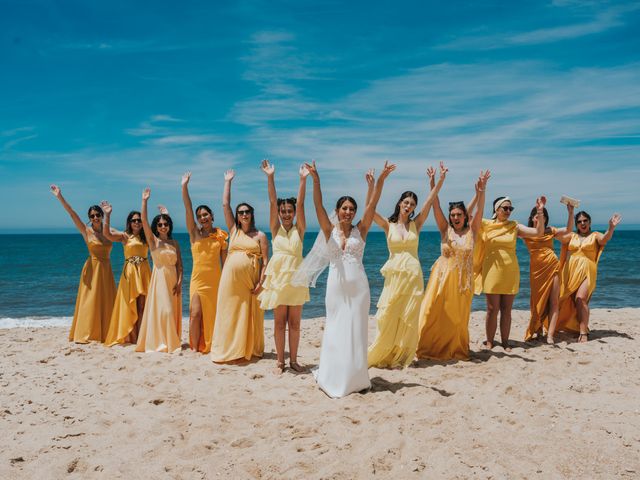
(35, 322)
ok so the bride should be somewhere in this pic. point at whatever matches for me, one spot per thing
(343, 356)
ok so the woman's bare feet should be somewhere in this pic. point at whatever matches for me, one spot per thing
(487, 345)
(297, 367)
(550, 340)
(506, 346)
(279, 369)
(583, 338)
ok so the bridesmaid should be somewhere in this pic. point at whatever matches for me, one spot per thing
(161, 326)
(279, 295)
(208, 250)
(497, 270)
(97, 287)
(544, 278)
(134, 280)
(446, 307)
(580, 272)
(239, 328)
(399, 303)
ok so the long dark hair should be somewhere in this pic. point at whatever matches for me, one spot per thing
(534, 212)
(96, 208)
(204, 207)
(128, 227)
(396, 213)
(156, 219)
(252, 225)
(346, 198)
(462, 207)
(581, 213)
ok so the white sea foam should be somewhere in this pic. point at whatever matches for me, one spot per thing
(35, 322)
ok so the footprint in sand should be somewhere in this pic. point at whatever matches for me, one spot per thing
(242, 443)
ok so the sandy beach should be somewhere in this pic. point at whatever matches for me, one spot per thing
(87, 411)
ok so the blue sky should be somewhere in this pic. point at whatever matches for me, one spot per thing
(105, 98)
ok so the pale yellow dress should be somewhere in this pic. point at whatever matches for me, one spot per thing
(285, 259)
(161, 326)
(134, 281)
(205, 279)
(495, 261)
(399, 302)
(582, 265)
(96, 292)
(445, 310)
(239, 328)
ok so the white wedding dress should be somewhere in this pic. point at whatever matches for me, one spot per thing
(343, 356)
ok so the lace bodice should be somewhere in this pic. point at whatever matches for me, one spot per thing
(353, 250)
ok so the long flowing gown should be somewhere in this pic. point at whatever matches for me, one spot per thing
(445, 310)
(343, 355)
(96, 292)
(582, 265)
(134, 281)
(543, 268)
(285, 259)
(161, 326)
(205, 280)
(239, 328)
(495, 261)
(399, 303)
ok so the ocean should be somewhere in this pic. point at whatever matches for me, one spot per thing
(40, 274)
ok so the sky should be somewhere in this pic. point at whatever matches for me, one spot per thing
(106, 98)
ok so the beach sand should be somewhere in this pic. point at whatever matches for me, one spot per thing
(87, 411)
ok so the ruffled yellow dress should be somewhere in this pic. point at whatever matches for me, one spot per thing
(285, 259)
(495, 261)
(96, 292)
(161, 326)
(543, 268)
(445, 309)
(239, 328)
(205, 279)
(582, 265)
(134, 281)
(399, 302)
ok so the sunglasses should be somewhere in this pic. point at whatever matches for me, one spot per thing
(162, 224)
(244, 212)
(95, 215)
(507, 209)
(136, 220)
(580, 222)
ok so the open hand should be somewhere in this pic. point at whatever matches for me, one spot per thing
(185, 178)
(229, 175)
(55, 190)
(146, 193)
(106, 207)
(163, 210)
(268, 168)
(304, 171)
(615, 219)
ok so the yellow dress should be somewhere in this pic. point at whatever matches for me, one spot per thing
(286, 256)
(445, 309)
(399, 302)
(582, 265)
(205, 278)
(239, 327)
(96, 292)
(134, 281)
(543, 268)
(496, 265)
(161, 326)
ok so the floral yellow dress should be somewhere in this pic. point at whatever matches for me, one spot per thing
(445, 309)
(96, 292)
(134, 282)
(399, 303)
(205, 279)
(284, 261)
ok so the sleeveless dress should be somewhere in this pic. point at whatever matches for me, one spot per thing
(399, 303)
(445, 309)
(496, 264)
(96, 292)
(582, 265)
(343, 355)
(134, 281)
(285, 259)
(205, 279)
(161, 326)
(239, 327)
(543, 268)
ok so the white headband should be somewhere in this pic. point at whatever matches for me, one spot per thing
(497, 206)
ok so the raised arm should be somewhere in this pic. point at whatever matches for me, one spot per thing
(602, 239)
(524, 232)
(424, 212)
(441, 220)
(270, 171)
(82, 228)
(381, 221)
(188, 206)
(564, 230)
(323, 219)
(151, 238)
(226, 201)
(370, 209)
(481, 188)
(301, 219)
(110, 233)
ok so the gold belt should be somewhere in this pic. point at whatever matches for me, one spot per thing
(135, 260)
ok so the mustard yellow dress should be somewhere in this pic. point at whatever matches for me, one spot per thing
(96, 292)
(285, 259)
(161, 326)
(399, 302)
(544, 266)
(239, 328)
(445, 309)
(205, 279)
(496, 265)
(134, 281)
(582, 265)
